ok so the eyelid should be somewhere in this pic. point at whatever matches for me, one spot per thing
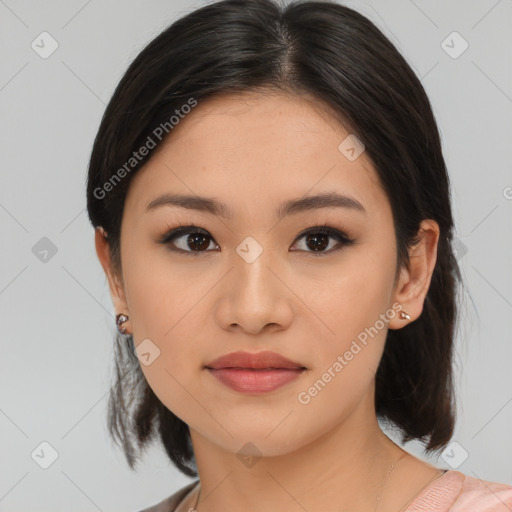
(179, 230)
(340, 236)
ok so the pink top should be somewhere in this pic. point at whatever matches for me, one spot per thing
(456, 492)
(451, 492)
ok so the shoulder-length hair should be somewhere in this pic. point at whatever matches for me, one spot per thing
(338, 56)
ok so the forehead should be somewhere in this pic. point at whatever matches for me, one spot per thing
(239, 121)
(253, 147)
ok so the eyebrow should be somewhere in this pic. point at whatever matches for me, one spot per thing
(290, 207)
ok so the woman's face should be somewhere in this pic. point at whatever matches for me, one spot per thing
(253, 281)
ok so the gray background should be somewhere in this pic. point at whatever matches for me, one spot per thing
(56, 313)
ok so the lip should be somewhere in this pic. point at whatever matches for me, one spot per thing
(260, 372)
(256, 360)
(255, 381)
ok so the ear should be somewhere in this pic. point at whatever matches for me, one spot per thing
(413, 284)
(116, 287)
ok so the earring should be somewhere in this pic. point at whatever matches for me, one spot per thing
(404, 315)
(121, 319)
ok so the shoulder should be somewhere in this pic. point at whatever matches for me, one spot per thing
(456, 492)
(488, 496)
(169, 504)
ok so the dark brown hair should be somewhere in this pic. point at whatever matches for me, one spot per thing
(336, 55)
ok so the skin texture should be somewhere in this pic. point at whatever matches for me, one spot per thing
(253, 152)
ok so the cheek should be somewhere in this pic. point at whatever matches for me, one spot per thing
(351, 299)
(159, 296)
(347, 358)
(354, 311)
(161, 315)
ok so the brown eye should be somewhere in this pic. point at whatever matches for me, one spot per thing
(197, 242)
(188, 239)
(317, 239)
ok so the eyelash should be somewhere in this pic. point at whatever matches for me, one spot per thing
(181, 230)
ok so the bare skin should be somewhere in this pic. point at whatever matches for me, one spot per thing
(253, 152)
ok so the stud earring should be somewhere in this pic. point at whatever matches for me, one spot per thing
(120, 320)
(404, 315)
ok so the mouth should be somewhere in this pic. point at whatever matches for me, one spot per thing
(255, 373)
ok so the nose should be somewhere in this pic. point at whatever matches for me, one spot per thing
(255, 297)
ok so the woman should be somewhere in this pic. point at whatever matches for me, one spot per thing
(272, 211)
